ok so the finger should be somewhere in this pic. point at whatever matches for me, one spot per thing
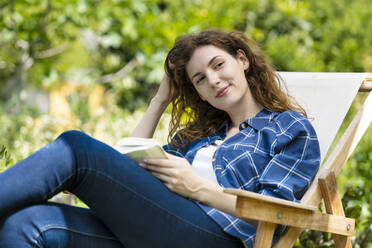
(169, 186)
(170, 160)
(162, 177)
(160, 162)
(171, 65)
(162, 170)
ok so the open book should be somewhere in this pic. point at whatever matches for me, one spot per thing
(140, 148)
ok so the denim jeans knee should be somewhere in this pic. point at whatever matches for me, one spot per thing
(55, 225)
(20, 229)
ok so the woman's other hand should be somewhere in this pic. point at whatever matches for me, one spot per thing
(146, 127)
(177, 174)
(163, 94)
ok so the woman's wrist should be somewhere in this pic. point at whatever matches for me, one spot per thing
(212, 195)
(159, 102)
(207, 190)
(146, 127)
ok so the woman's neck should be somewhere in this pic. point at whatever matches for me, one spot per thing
(238, 115)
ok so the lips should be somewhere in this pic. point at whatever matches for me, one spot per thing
(222, 91)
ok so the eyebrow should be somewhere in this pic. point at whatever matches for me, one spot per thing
(209, 63)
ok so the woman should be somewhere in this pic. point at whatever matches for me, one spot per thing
(230, 121)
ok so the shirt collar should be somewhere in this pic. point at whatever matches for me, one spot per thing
(222, 130)
(259, 121)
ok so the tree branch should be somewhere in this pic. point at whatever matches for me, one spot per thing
(119, 74)
(51, 51)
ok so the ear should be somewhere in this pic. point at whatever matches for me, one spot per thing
(240, 55)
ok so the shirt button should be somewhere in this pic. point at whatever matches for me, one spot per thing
(244, 125)
(213, 159)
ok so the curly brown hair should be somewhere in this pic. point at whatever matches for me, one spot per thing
(192, 118)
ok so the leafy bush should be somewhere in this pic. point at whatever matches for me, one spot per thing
(122, 45)
(22, 133)
(5, 159)
(356, 206)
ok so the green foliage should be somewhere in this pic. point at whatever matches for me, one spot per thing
(24, 132)
(5, 158)
(356, 206)
(40, 41)
(121, 44)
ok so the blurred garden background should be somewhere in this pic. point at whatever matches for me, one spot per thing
(93, 65)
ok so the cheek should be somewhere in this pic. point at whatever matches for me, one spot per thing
(200, 92)
(242, 77)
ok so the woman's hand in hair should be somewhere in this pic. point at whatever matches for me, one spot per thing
(177, 174)
(163, 94)
(146, 127)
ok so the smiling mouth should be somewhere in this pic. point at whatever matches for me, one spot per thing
(222, 91)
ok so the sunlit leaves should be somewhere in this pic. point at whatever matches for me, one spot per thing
(45, 43)
(5, 158)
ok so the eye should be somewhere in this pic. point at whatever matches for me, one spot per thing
(199, 80)
(218, 65)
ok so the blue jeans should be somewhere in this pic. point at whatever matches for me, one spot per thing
(128, 207)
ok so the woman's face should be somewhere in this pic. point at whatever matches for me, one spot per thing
(219, 78)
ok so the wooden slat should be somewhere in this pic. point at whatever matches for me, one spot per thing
(333, 204)
(369, 77)
(342, 150)
(274, 213)
(264, 235)
(289, 239)
(258, 197)
(329, 189)
(367, 84)
(335, 162)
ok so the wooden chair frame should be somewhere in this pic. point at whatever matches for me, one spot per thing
(270, 211)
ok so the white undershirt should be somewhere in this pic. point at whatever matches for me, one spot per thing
(202, 163)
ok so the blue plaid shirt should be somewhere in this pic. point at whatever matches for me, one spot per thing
(275, 154)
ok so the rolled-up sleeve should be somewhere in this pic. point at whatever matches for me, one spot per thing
(177, 152)
(295, 162)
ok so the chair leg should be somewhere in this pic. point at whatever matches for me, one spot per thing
(264, 235)
(289, 238)
(333, 204)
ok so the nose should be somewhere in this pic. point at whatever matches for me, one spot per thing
(213, 78)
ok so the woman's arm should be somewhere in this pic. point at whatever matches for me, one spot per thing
(146, 127)
(212, 195)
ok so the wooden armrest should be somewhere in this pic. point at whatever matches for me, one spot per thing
(253, 206)
(258, 197)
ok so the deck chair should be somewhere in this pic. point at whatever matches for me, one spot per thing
(320, 94)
